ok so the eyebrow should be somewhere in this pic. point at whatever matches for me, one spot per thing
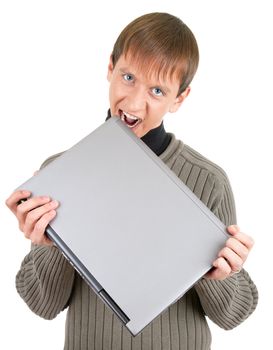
(125, 70)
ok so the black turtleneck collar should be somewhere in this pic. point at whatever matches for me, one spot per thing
(156, 139)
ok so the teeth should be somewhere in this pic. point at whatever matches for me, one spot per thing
(129, 116)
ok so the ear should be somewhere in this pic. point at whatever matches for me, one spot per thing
(179, 100)
(110, 69)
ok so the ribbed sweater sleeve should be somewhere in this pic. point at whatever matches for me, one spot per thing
(45, 281)
(229, 302)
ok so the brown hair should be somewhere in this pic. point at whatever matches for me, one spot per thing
(160, 43)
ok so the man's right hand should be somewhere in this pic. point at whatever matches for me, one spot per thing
(33, 215)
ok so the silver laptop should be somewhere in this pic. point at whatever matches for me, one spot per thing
(137, 235)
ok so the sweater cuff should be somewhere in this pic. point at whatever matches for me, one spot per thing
(45, 281)
(228, 302)
(221, 291)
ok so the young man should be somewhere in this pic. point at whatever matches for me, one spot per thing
(150, 69)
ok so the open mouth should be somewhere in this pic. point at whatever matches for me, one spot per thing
(130, 120)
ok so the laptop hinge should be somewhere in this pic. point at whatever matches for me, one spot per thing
(111, 303)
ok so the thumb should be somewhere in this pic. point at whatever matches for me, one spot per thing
(233, 229)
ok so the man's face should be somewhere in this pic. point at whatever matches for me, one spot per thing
(141, 102)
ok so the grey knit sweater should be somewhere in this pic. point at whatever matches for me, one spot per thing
(48, 283)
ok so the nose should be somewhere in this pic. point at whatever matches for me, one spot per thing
(137, 99)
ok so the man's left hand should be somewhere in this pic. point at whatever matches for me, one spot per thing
(233, 256)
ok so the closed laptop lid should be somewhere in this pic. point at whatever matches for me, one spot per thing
(128, 224)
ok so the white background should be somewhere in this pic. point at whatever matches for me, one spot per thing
(53, 91)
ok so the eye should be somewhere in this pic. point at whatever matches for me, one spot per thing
(157, 91)
(128, 77)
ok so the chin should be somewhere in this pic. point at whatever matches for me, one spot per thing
(139, 132)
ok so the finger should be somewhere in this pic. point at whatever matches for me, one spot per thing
(34, 215)
(245, 239)
(38, 235)
(220, 270)
(242, 237)
(233, 229)
(15, 197)
(238, 247)
(30, 204)
(235, 262)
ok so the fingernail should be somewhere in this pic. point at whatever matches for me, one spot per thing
(234, 228)
(26, 193)
(237, 228)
